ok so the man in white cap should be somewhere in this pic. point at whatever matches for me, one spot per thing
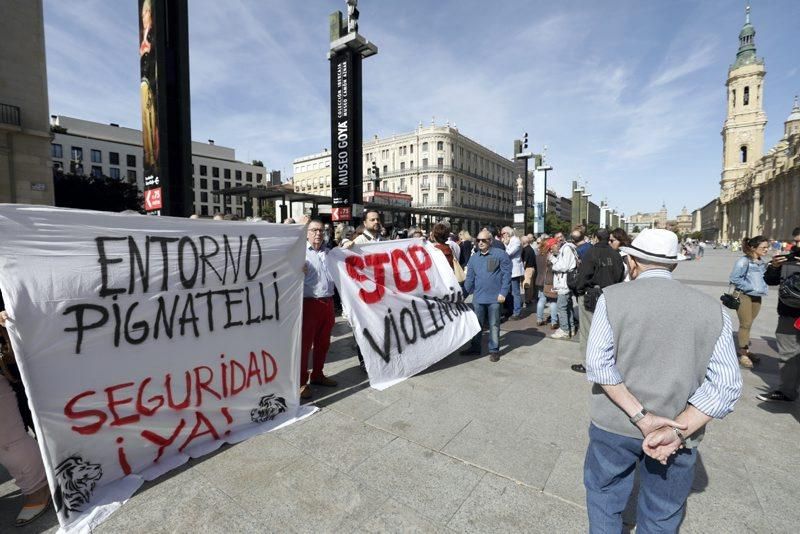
(639, 371)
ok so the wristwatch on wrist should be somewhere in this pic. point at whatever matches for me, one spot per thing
(638, 416)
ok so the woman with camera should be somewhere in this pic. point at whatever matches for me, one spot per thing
(747, 278)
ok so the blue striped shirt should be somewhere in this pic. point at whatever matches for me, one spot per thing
(317, 283)
(717, 394)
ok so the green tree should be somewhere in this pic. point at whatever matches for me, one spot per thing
(258, 163)
(268, 211)
(96, 193)
(553, 224)
(636, 229)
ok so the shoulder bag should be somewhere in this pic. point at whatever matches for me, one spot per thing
(731, 298)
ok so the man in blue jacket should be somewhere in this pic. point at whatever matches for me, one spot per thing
(489, 281)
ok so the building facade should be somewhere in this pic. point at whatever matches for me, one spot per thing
(584, 211)
(657, 219)
(683, 222)
(95, 149)
(444, 171)
(25, 175)
(759, 194)
(561, 206)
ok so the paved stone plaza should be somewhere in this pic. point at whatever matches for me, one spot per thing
(466, 446)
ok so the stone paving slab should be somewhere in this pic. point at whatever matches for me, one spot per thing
(433, 484)
(467, 446)
(506, 452)
(500, 505)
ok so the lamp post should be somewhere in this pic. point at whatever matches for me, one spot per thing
(586, 219)
(540, 194)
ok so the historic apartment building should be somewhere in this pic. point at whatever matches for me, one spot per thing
(95, 149)
(443, 170)
(657, 219)
(759, 193)
(25, 175)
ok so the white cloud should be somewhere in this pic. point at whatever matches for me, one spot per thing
(619, 92)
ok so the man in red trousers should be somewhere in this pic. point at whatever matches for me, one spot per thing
(318, 315)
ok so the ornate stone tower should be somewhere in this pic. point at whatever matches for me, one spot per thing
(743, 132)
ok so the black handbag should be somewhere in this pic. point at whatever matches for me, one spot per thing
(731, 299)
(591, 297)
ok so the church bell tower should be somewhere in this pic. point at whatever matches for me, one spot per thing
(743, 131)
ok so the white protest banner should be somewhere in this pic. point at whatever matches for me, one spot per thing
(144, 341)
(405, 305)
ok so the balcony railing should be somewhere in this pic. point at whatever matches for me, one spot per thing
(449, 204)
(435, 169)
(9, 115)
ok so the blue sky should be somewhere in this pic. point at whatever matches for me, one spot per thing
(628, 94)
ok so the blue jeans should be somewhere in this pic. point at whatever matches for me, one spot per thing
(515, 293)
(540, 304)
(490, 313)
(608, 474)
(565, 312)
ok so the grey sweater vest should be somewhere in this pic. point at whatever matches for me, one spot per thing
(664, 335)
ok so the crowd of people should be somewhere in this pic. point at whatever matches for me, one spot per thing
(750, 279)
(651, 397)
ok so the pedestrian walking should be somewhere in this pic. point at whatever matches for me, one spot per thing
(488, 280)
(784, 271)
(652, 397)
(318, 311)
(747, 278)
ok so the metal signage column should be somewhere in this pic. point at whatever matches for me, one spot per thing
(521, 189)
(348, 48)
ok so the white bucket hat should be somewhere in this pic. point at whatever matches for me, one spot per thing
(659, 246)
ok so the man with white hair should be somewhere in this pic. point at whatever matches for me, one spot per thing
(638, 371)
(514, 251)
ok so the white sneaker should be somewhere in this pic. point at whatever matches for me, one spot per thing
(560, 334)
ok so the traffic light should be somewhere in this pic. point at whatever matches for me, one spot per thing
(375, 171)
(525, 141)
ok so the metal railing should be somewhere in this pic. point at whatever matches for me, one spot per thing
(435, 169)
(9, 114)
(449, 204)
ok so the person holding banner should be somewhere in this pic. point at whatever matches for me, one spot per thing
(489, 281)
(318, 315)
(370, 233)
(19, 453)
(372, 229)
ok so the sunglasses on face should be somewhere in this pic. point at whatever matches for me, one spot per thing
(483, 240)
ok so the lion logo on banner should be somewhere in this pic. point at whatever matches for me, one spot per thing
(75, 479)
(268, 408)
